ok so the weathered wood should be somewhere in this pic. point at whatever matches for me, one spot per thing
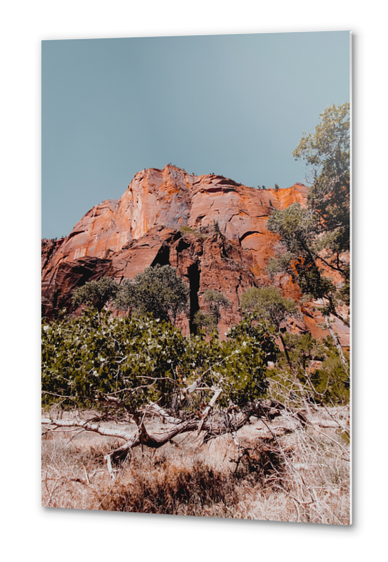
(193, 387)
(208, 409)
(161, 413)
(211, 429)
(96, 428)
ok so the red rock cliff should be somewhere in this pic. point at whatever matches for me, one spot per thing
(120, 238)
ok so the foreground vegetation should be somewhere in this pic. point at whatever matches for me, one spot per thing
(276, 471)
(192, 425)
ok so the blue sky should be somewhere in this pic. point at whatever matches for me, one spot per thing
(236, 105)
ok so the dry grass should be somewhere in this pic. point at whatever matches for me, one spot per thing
(299, 476)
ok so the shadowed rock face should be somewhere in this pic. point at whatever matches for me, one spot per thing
(120, 238)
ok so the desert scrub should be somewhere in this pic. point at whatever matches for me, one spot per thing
(189, 230)
(302, 476)
(321, 376)
(148, 360)
(173, 489)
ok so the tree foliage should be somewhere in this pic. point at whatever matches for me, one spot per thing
(299, 233)
(96, 292)
(209, 320)
(158, 290)
(205, 321)
(269, 305)
(327, 152)
(316, 238)
(216, 301)
(146, 360)
(318, 367)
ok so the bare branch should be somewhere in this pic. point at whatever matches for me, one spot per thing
(208, 408)
(96, 428)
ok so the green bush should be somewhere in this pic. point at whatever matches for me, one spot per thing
(96, 292)
(189, 230)
(157, 290)
(329, 384)
(146, 359)
(269, 304)
(205, 321)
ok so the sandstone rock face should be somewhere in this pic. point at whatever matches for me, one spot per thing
(173, 198)
(120, 238)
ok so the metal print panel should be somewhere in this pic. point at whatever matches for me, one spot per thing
(196, 318)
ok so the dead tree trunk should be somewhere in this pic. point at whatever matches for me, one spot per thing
(210, 428)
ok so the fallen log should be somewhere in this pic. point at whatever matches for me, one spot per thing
(211, 428)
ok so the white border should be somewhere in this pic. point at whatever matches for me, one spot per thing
(28, 530)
